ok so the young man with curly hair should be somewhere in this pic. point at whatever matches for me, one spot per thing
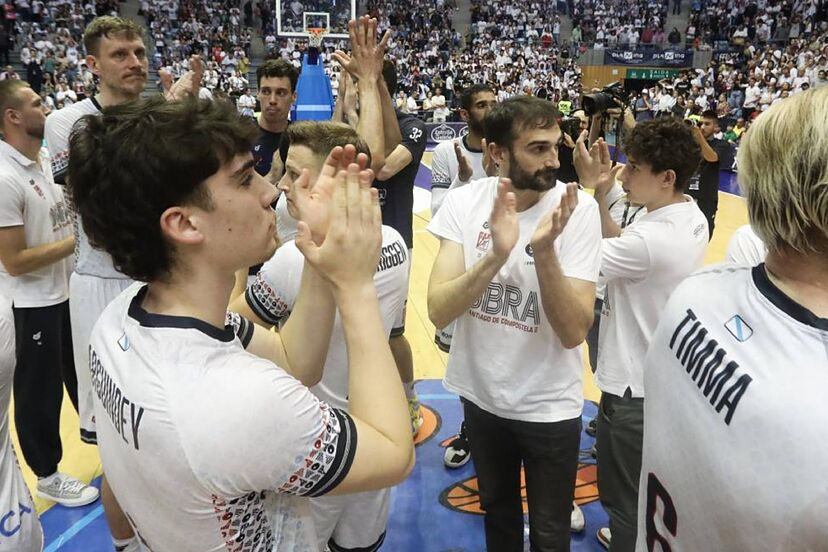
(642, 266)
(232, 441)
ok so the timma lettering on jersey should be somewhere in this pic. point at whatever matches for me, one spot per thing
(703, 359)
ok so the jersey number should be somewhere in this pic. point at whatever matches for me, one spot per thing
(656, 492)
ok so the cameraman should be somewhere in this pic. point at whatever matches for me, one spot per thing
(704, 185)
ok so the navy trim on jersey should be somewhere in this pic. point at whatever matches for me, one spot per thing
(469, 148)
(152, 320)
(89, 437)
(94, 101)
(259, 308)
(370, 548)
(343, 456)
(783, 302)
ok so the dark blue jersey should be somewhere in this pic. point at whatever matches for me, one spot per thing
(397, 193)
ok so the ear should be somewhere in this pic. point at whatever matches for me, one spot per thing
(181, 226)
(92, 64)
(464, 115)
(669, 179)
(497, 152)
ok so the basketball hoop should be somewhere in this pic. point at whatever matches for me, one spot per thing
(315, 35)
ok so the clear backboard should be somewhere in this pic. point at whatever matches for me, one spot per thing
(294, 17)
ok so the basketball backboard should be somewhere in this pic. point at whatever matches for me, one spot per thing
(294, 17)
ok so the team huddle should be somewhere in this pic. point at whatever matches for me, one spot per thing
(231, 328)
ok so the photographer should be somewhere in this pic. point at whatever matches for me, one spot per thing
(704, 185)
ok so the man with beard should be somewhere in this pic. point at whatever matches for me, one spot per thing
(35, 243)
(517, 266)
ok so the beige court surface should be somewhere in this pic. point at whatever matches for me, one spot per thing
(83, 462)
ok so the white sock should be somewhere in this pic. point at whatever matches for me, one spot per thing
(126, 545)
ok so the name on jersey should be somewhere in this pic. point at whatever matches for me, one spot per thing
(125, 415)
(392, 255)
(509, 306)
(718, 378)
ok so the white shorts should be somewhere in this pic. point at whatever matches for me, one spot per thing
(398, 328)
(351, 522)
(442, 337)
(88, 297)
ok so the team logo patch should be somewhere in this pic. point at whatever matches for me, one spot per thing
(529, 250)
(123, 343)
(37, 189)
(739, 329)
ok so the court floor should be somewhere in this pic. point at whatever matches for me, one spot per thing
(436, 509)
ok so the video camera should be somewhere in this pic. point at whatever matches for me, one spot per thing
(605, 99)
(571, 126)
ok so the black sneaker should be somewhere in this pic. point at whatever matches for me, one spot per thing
(592, 427)
(457, 452)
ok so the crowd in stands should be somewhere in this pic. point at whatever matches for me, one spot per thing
(622, 23)
(48, 38)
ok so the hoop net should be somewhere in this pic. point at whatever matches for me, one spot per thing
(315, 35)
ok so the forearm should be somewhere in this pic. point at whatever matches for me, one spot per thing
(375, 392)
(448, 300)
(370, 121)
(594, 129)
(569, 319)
(338, 112)
(307, 332)
(708, 153)
(34, 258)
(390, 126)
(609, 228)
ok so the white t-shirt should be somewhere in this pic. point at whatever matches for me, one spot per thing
(30, 198)
(623, 213)
(205, 445)
(273, 295)
(19, 527)
(89, 260)
(505, 357)
(745, 247)
(735, 445)
(642, 267)
(445, 170)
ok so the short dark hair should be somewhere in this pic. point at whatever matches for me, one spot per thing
(322, 136)
(277, 68)
(710, 114)
(467, 97)
(108, 25)
(664, 144)
(135, 160)
(389, 75)
(506, 119)
(10, 96)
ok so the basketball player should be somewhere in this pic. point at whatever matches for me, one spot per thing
(642, 265)
(516, 268)
(35, 244)
(734, 453)
(169, 190)
(455, 164)
(358, 521)
(117, 55)
(19, 527)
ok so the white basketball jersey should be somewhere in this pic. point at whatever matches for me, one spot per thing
(274, 292)
(88, 260)
(735, 432)
(205, 445)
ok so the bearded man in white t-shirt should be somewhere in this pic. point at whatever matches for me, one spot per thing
(517, 267)
(642, 266)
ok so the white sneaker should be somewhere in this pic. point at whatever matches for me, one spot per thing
(604, 537)
(576, 519)
(66, 490)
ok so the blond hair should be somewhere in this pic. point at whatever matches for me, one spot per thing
(783, 168)
(323, 136)
(107, 26)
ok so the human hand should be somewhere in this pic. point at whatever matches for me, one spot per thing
(594, 166)
(503, 221)
(349, 251)
(367, 55)
(465, 168)
(552, 224)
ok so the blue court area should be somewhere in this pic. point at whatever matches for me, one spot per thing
(435, 510)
